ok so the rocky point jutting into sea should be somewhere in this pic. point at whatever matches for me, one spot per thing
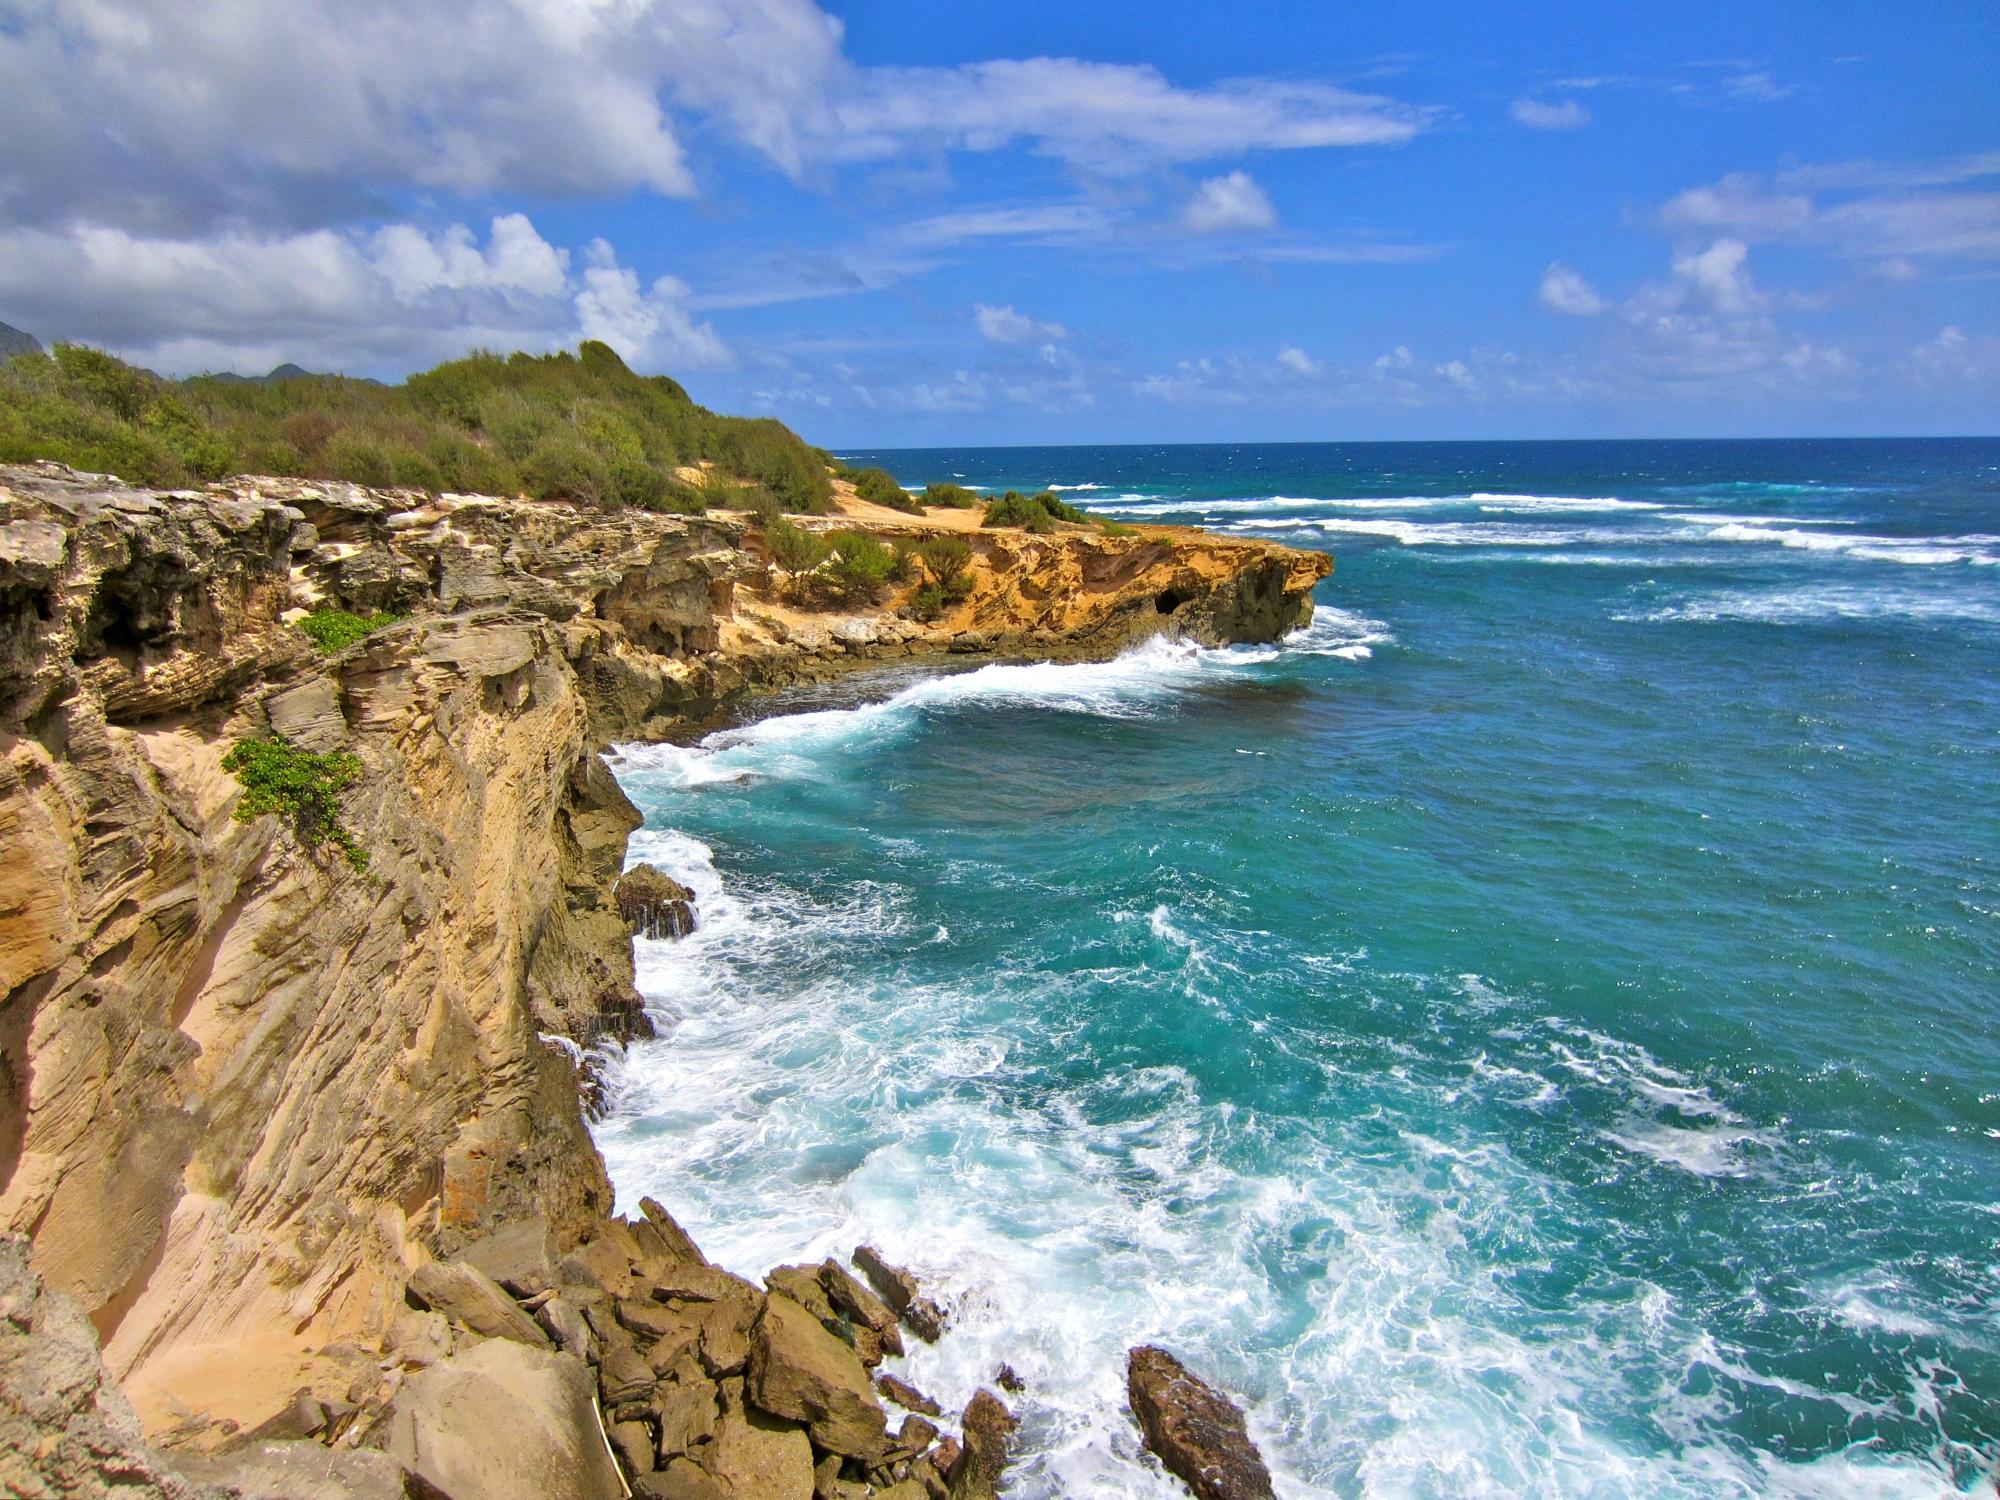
(303, 1136)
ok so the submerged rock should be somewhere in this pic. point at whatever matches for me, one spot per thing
(903, 1293)
(654, 904)
(1198, 1433)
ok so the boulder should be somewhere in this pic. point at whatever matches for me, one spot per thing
(987, 1427)
(799, 1370)
(503, 1420)
(677, 1239)
(474, 1301)
(653, 904)
(521, 1256)
(297, 1470)
(758, 1457)
(861, 1305)
(1198, 1433)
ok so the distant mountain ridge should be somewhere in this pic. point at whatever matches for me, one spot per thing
(15, 342)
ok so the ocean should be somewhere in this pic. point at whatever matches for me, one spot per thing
(1531, 1033)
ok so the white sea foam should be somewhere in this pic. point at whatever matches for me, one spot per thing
(1915, 551)
(1481, 500)
(1824, 602)
(1339, 632)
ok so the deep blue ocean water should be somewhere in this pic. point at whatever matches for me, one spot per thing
(1534, 1033)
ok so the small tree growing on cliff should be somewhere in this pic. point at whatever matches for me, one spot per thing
(795, 549)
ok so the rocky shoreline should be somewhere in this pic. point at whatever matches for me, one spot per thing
(304, 1141)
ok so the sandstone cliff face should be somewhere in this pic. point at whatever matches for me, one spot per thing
(245, 1088)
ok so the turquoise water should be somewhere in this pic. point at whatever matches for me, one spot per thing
(1531, 1034)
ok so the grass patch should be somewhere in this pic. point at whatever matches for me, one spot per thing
(301, 787)
(335, 630)
(879, 486)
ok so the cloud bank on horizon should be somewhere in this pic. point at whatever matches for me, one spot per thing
(919, 226)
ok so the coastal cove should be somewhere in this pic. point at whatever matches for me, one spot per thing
(1522, 1033)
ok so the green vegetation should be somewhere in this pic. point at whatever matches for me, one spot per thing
(299, 786)
(1114, 528)
(793, 548)
(335, 629)
(879, 486)
(956, 496)
(1036, 513)
(578, 427)
(945, 560)
(860, 566)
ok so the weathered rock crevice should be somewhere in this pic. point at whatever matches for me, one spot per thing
(245, 1088)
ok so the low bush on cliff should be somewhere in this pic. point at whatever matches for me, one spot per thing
(793, 548)
(580, 427)
(1037, 513)
(940, 564)
(299, 786)
(335, 630)
(860, 565)
(880, 487)
(954, 496)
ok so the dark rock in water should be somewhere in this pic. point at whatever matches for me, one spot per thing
(902, 1292)
(655, 905)
(1198, 1433)
(906, 1395)
(988, 1426)
(1008, 1381)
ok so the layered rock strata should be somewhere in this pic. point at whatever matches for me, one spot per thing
(252, 1097)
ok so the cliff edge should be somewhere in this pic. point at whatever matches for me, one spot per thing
(247, 1088)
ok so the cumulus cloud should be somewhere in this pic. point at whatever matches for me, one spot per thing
(1538, 114)
(165, 116)
(1567, 292)
(1295, 359)
(398, 297)
(1234, 202)
(1002, 325)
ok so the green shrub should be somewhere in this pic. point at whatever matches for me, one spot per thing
(1114, 528)
(577, 426)
(859, 567)
(879, 486)
(335, 629)
(945, 557)
(1036, 513)
(955, 496)
(299, 786)
(793, 548)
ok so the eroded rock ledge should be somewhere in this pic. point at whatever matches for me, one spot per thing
(246, 1090)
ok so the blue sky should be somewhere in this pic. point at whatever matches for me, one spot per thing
(911, 224)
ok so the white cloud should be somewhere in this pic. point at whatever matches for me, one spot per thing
(1889, 212)
(1538, 114)
(1040, 222)
(1295, 359)
(1234, 202)
(1109, 117)
(389, 300)
(1002, 325)
(1567, 292)
(167, 116)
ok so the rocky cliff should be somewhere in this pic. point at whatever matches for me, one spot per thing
(246, 1088)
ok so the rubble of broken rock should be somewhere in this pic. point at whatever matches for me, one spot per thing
(633, 1364)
